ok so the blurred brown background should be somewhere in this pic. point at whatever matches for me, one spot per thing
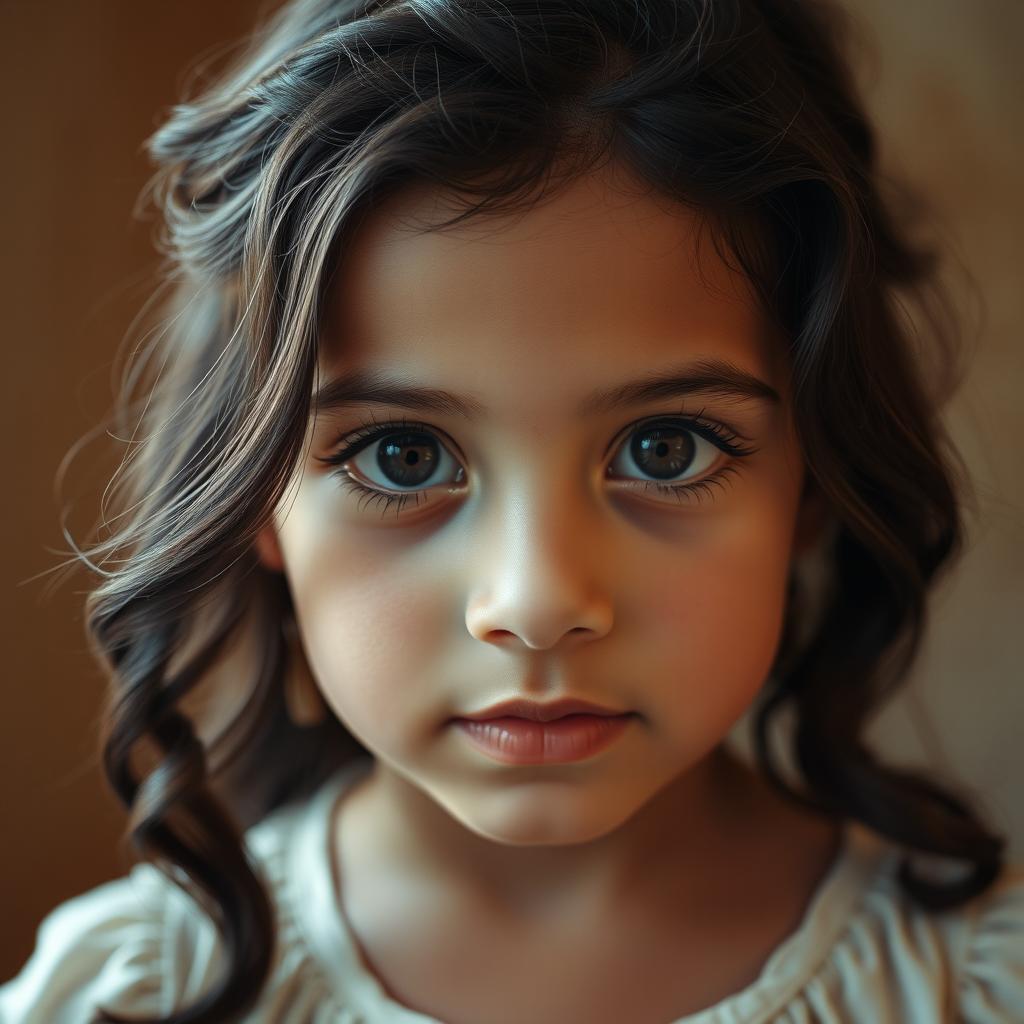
(85, 84)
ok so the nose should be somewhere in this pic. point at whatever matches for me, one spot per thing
(540, 573)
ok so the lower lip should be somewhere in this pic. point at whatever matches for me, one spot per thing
(567, 739)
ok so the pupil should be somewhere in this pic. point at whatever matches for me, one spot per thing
(664, 452)
(407, 460)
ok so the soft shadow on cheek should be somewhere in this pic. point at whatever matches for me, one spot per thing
(720, 613)
(373, 639)
(374, 621)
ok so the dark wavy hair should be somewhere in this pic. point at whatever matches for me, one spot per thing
(743, 110)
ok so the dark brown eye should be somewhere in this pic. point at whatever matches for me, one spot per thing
(404, 461)
(408, 460)
(666, 452)
(400, 460)
(663, 452)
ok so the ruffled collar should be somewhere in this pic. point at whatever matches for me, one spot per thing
(314, 903)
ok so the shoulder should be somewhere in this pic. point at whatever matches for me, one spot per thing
(868, 951)
(990, 946)
(141, 944)
(966, 963)
(131, 944)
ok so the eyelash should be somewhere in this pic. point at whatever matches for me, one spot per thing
(371, 430)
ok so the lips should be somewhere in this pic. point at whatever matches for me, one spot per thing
(537, 712)
(566, 740)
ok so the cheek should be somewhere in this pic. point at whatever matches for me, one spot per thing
(721, 606)
(368, 628)
(369, 636)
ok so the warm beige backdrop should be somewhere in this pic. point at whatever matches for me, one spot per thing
(84, 84)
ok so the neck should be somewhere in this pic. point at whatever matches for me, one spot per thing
(682, 837)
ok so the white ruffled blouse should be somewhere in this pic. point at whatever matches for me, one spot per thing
(862, 953)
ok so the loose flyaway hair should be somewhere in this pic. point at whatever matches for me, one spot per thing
(742, 110)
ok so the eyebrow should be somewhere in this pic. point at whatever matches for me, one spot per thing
(706, 376)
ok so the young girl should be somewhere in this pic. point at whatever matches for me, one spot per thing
(533, 402)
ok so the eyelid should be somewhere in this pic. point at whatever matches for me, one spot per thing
(722, 435)
(346, 444)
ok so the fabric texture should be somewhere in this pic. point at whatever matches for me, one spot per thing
(862, 953)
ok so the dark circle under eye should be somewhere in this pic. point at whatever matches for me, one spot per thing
(408, 459)
(663, 450)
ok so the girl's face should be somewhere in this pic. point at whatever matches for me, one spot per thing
(533, 553)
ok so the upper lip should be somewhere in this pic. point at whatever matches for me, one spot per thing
(542, 712)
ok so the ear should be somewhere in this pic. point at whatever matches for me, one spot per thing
(268, 548)
(812, 517)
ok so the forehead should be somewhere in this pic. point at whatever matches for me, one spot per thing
(594, 284)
